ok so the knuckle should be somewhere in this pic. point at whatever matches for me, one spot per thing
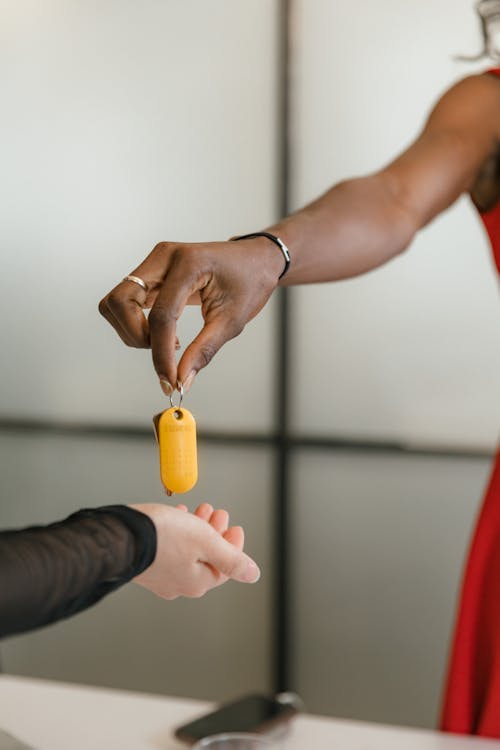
(162, 247)
(113, 301)
(193, 262)
(103, 307)
(170, 251)
(206, 353)
(188, 253)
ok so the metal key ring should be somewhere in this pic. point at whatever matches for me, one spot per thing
(181, 396)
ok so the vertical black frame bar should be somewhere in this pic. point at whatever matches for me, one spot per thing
(281, 605)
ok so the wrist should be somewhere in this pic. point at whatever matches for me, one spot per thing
(294, 233)
(272, 252)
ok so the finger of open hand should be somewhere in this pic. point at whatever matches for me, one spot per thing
(235, 536)
(204, 511)
(219, 520)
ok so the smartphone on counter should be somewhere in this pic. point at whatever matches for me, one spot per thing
(253, 713)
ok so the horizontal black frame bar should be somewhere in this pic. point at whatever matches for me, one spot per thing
(306, 442)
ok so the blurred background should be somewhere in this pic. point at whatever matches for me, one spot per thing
(127, 123)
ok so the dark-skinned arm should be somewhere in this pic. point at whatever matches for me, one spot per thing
(356, 226)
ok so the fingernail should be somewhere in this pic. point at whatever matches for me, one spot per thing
(251, 573)
(166, 387)
(188, 382)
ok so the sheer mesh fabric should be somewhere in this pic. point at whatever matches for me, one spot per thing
(51, 572)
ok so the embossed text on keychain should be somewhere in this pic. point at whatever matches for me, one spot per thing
(175, 431)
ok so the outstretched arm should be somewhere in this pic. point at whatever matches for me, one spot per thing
(356, 226)
(361, 223)
(48, 573)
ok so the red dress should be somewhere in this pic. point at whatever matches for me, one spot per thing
(472, 696)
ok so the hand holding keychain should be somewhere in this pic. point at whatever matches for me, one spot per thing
(175, 431)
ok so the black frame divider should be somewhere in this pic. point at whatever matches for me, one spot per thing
(280, 606)
(300, 442)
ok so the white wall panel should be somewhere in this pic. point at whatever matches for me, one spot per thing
(379, 541)
(124, 124)
(410, 351)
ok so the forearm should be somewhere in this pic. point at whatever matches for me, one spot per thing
(364, 222)
(49, 573)
(356, 226)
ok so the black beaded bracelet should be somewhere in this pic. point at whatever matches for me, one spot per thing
(273, 238)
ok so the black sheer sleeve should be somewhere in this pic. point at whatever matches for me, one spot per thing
(51, 572)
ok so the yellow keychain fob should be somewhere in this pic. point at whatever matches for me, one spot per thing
(176, 435)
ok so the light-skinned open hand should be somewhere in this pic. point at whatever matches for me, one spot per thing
(195, 551)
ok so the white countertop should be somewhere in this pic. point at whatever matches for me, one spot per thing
(59, 716)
